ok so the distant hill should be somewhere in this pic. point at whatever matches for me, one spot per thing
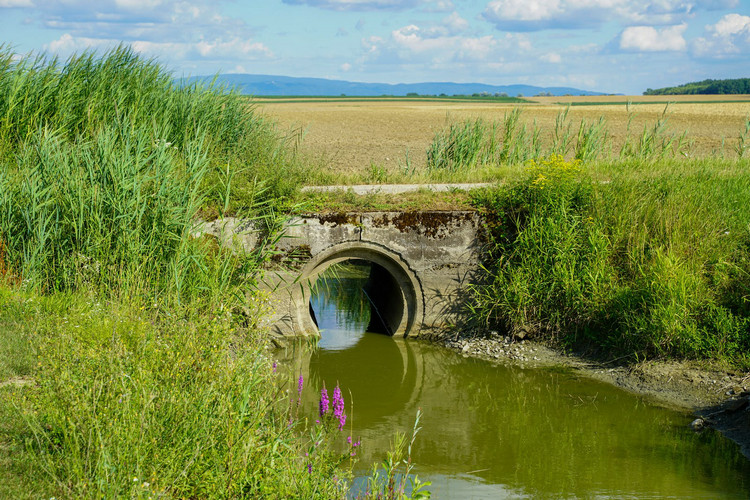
(731, 86)
(270, 85)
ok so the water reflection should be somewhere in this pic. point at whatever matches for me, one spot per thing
(340, 306)
(492, 431)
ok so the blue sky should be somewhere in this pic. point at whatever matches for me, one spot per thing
(619, 46)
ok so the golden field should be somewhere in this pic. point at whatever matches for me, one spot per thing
(349, 136)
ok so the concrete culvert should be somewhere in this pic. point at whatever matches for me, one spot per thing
(394, 293)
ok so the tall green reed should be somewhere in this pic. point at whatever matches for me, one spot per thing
(463, 146)
(107, 163)
(655, 142)
(472, 143)
(742, 140)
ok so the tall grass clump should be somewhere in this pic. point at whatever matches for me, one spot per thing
(655, 142)
(742, 140)
(142, 369)
(653, 263)
(106, 163)
(472, 143)
(81, 98)
(463, 146)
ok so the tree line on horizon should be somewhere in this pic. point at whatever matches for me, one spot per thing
(729, 86)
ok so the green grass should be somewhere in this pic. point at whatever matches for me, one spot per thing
(106, 165)
(136, 402)
(346, 201)
(89, 98)
(653, 263)
(132, 360)
(471, 145)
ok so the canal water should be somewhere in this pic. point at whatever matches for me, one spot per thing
(495, 431)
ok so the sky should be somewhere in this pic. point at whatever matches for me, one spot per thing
(612, 46)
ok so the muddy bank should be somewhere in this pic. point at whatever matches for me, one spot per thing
(718, 397)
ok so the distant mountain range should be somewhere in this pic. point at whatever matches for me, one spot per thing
(272, 85)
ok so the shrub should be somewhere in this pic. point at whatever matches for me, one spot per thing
(653, 263)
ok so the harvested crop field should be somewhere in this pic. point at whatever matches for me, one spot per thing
(351, 135)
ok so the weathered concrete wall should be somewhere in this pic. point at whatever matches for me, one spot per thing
(432, 256)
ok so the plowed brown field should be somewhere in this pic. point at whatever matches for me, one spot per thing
(350, 135)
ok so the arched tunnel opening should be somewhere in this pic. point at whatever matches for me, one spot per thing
(386, 300)
(388, 294)
(357, 296)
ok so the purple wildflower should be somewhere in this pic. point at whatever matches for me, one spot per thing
(349, 439)
(323, 404)
(274, 366)
(300, 384)
(309, 468)
(338, 402)
(338, 407)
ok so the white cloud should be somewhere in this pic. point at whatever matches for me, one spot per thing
(375, 5)
(345, 67)
(246, 49)
(67, 44)
(731, 25)
(551, 57)
(522, 10)
(428, 47)
(138, 5)
(188, 34)
(728, 38)
(531, 15)
(439, 6)
(650, 39)
(235, 49)
(454, 23)
(16, 3)
(357, 4)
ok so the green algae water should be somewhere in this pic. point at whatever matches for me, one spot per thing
(496, 431)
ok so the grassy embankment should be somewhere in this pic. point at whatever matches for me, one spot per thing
(638, 253)
(131, 361)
